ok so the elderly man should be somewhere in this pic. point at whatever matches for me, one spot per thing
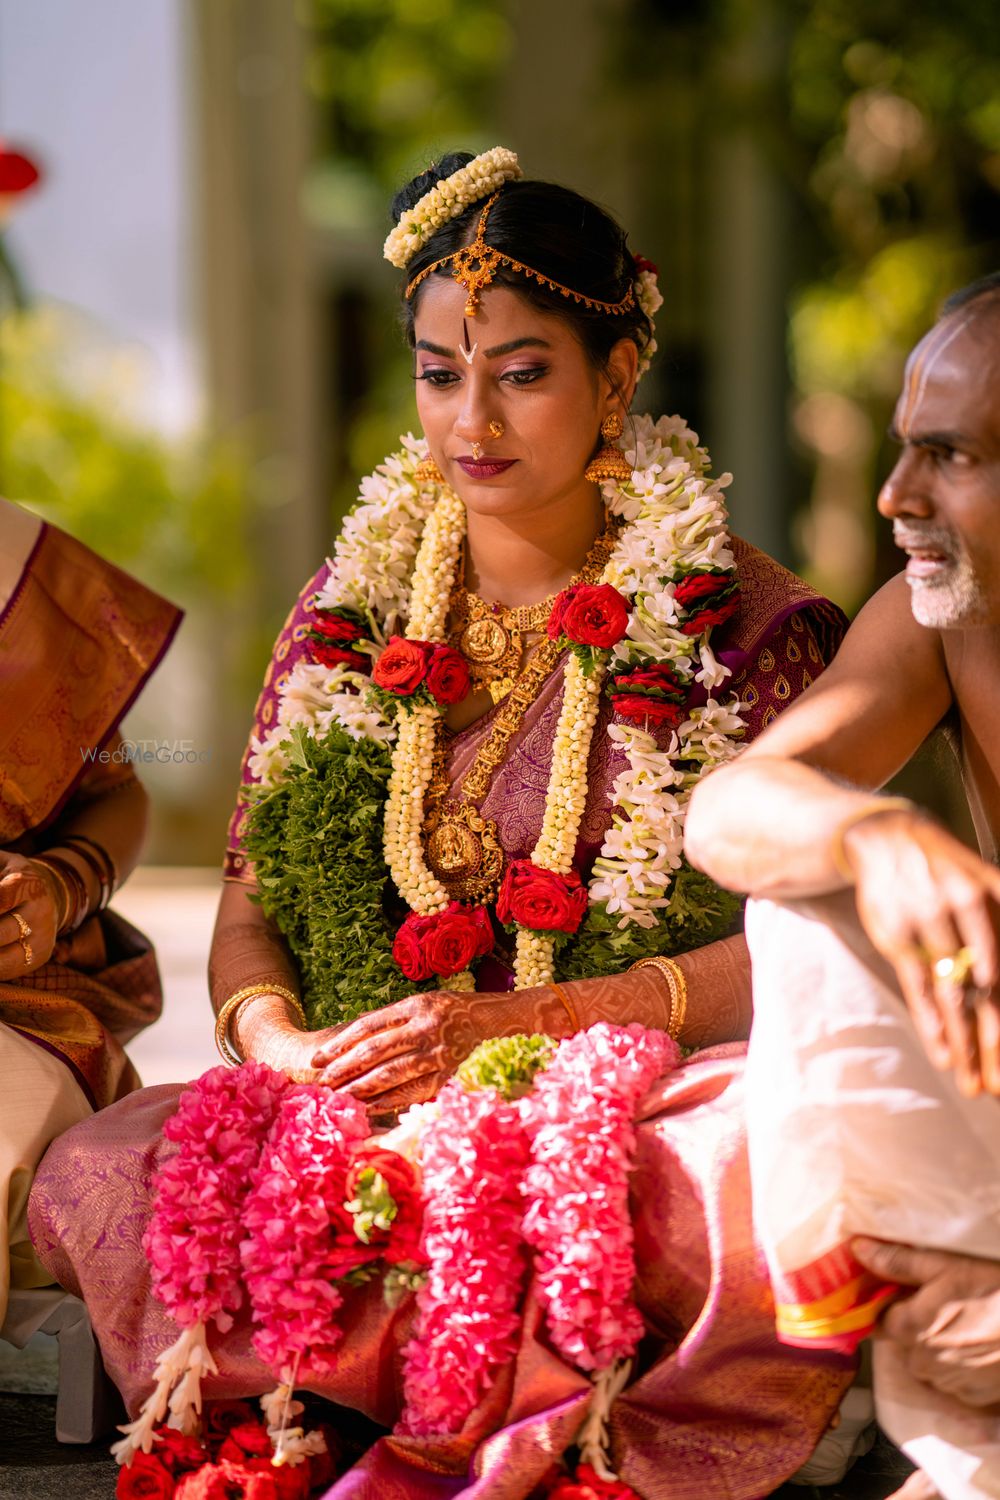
(874, 1072)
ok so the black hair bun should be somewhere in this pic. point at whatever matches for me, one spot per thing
(410, 194)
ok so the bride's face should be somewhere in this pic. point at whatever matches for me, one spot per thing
(523, 371)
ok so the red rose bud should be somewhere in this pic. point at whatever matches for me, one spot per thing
(328, 655)
(334, 627)
(642, 264)
(700, 586)
(654, 679)
(222, 1416)
(144, 1478)
(706, 618)
(289, 1482)
(637, 709)
(402, 666)
(540, 899)
(448, 679)
(596, 615)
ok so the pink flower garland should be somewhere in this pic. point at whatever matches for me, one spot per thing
(473, 1157)
(580, 1120)
(298, 1237)
(193, 1238)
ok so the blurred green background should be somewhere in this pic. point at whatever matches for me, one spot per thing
(810, 178)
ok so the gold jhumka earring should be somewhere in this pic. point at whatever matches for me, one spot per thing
(609, 462)
(427, 472)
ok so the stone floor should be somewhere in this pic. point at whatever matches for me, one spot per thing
(176, 908)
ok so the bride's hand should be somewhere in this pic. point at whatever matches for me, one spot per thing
(267, 1034)
(404, 1053)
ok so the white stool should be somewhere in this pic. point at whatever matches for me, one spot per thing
(87, 1404)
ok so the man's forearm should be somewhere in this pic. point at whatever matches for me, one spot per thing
(773, 827)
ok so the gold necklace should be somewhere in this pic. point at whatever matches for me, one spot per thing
(490, 636)
(462, 847)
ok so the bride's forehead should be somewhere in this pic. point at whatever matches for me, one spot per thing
(503, 313)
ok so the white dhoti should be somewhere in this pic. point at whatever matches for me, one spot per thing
(39, 1099)
(853, 1131)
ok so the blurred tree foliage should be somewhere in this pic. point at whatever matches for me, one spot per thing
(397, 83)
(71, 447)
(881, 118)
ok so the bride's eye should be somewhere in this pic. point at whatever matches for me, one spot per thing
(526, 374)
(437, 378)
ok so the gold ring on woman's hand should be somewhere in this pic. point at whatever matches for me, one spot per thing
(23, 927)
(955, 968)
(26, 950)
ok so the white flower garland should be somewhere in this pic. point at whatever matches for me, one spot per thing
(446, 200)
(677, 524)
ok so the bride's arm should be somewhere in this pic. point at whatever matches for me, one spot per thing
(717, 978)
(248, 950)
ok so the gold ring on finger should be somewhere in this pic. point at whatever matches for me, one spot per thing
(955, 968)
(26, 950)
(23, 927)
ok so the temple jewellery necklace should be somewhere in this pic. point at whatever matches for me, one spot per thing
(461, 846)
(490, 636)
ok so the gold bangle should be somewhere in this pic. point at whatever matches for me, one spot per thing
(870, 809)
(567, 1004)
(676, 984)
(228, 1010)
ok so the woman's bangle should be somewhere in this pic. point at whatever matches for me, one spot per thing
(229, 1008)
(677, 985)
(60, 889)
(838, 854)
(99, 860)
(566, 1003)
(72, 883)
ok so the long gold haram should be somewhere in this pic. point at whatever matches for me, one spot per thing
(462, 847)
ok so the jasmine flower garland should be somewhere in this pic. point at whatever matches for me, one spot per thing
(394, 561)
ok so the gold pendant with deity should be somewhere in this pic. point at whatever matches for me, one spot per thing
(464, 851)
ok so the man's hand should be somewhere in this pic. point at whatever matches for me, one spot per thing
(948, 1328)
(28, 917)
(922, 896)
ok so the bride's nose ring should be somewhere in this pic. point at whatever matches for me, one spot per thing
(496, 429)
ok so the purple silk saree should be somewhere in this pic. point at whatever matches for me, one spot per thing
(716, 1406)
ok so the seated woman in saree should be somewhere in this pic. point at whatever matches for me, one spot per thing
(78, 639)
(461, 820)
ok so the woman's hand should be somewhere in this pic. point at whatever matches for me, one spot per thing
(29, 917)
(922, 897)
(404, 1053)
(266, 1031)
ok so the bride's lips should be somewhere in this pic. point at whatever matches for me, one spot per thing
(484, 468)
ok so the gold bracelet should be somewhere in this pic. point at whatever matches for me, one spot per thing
(228, 1010)
(871, 809)
(567, 1004)
(677, 985)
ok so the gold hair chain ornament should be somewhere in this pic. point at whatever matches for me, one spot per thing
(475, 266)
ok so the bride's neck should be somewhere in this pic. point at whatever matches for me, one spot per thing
(519, 561)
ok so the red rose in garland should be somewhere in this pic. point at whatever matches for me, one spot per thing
(178, 1452)
(402, 1183)
(588, 1485)
(448, 678)
(228, 1481)
(637, 709)
(402, 667)
(246, 1440)
(331, 635)
(145, 1478)
(589, 614)
(708, 598)
(291, 1481)
(540, 899)
(652, 680)
(444, 943)
(222, 1416)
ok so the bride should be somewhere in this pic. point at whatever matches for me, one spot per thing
(461, 820)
